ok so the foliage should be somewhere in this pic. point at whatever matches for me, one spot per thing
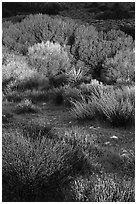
(105, 188)
(38, 170)
(15, 71)
(35, 29)
(49, 58)
(119, 68)
(94, 47)
(83, 42)
(77, 73)
(115, 105)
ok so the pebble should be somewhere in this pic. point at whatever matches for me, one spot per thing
(107, 143)
(114, 137)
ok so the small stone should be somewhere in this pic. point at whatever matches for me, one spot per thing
(107, 143)
(114, 137)
(91, 127)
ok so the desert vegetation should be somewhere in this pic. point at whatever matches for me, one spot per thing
(68, 98)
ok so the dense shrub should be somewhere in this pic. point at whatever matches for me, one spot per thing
(16, 70)
(49, 58)
(83, 41)
(35, 29)
(6, 24)
(119, 68)
(94, 47)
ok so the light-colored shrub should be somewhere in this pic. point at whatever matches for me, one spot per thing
(49, 58)
(17, 69)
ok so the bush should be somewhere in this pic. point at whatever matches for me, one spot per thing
(35, 29)
(38, 170)
(16, 70)
(49, 58)
(94, 47)
(120, 68)
(18, 75)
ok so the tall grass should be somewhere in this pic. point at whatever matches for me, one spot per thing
(71, 167)
(115, 105)
(35, 170)
(103, 188)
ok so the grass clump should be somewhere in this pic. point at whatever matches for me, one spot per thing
(25, 106)
(38, 170)
(105, 188)
(115, 105)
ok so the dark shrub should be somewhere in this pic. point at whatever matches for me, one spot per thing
(38, 170)
(35, 29)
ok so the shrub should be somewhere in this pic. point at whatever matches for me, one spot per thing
(77, 73)
(16, 70)
(35, 29)
(120, 68)
(94, 47)
(38, 170)
(8, 56)
(17, 75)
(25, 106)
(49, 58)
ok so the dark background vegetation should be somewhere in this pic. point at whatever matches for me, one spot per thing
(90, 12)
(113, 10)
